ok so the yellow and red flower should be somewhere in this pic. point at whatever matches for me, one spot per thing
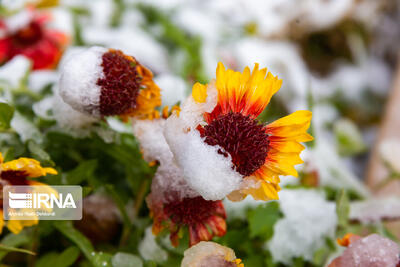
(197, 214)
(42, 45)
(18, 172)
(260, 153)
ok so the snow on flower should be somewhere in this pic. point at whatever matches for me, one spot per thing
(221, 147)
(210, 254)
(103, 82)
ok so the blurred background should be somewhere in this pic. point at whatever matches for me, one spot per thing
(337, 58)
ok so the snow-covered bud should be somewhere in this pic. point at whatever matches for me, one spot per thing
(106, 82)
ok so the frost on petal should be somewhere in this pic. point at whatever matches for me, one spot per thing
(78, 82)
(302, 209)
(208, 254)
(370, 251)
(205, 170)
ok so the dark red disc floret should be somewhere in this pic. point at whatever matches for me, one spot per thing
(242, 137)
(120, 85)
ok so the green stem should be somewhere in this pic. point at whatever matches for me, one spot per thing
(141, 194)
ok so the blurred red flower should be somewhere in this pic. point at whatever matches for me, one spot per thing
(34, 40)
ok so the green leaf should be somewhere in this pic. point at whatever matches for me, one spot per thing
(101, 259)
(349, 138)
(6, 114)
(48, 259)
(68, 257)
(97, 259)
(67, 229)
(120, 204)
(126, 260)
(12, 240)
(84, 171)
(13, 249)
(342, 208)
(38, 153)
(64, 259)
(262, 220)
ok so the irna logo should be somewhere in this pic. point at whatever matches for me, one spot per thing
(40, 200)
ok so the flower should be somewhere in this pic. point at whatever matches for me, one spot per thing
(173, 204)
(210, 254)
(26, 34)
(106, 82)
(346, 240)
(197, 214)
(223, 115)
(17, 172)
(372, 250)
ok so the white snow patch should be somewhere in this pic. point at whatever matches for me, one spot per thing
(39, 79)
(168, 182)
(18, 21)
(25, 128)
(133, 41)
(173, 88)
(15, 71)
(69, 118)
(78, 80)
(308, 220)
(205, 170)
(152, 141)
(375, 209)
(150, 250)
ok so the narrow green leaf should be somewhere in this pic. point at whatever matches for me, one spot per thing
(342, 208)
(12, 240)
(6, 114)
(13, 249)
(120, 204)
(67, 229)
(97, 259)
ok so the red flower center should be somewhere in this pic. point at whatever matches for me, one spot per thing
(29, 35)
(190, 211)
(120, 85)
(242, 137)
(14, 178)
